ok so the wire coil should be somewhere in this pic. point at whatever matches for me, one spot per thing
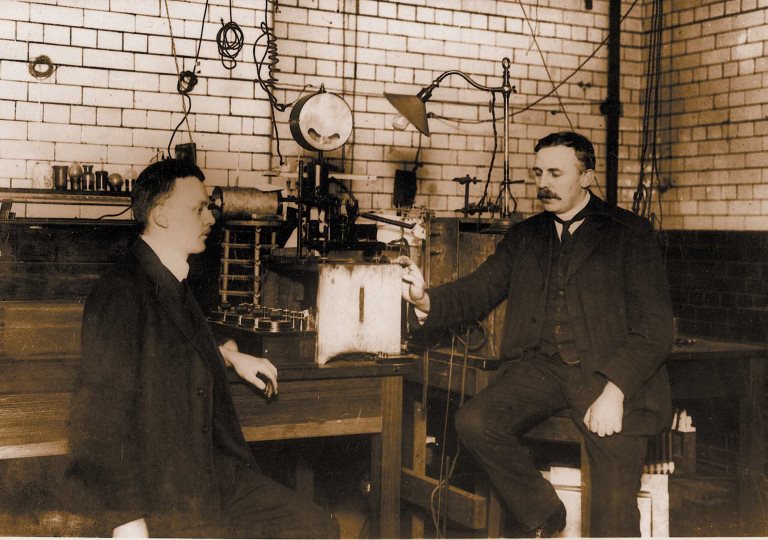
(229, 40)
(41, 67)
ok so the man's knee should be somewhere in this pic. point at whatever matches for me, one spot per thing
(470, 423)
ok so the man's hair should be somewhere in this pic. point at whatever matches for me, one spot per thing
(582, 146)
(156, 182)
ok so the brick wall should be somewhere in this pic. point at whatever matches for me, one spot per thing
(112, 97)
(715, 127)
(719, 283)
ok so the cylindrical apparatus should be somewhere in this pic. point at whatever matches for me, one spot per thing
(246, 203)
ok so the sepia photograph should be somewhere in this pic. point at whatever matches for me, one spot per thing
(383, 268)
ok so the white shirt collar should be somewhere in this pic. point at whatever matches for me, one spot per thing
(172, 260)
(565, 216)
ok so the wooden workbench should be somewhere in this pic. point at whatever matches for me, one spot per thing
(701, 369)
(698, 369)
(341, 398)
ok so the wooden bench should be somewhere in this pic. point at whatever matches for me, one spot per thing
(344, 398)
(39, 353)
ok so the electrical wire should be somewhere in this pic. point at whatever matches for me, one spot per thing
(575, 71)
(349, 147)
(441, 479)
(481, 203)
(544, 63)
(229, 40)
(443, 484)
(533, 104)
(114, 215)
(187, 79)
(41, 67)
(643, 196)
(269, 60)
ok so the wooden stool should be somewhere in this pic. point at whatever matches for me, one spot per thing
(481, 509)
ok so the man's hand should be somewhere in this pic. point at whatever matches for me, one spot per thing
(413, 284)
(250, 367)
(133, 529)
(605, 415)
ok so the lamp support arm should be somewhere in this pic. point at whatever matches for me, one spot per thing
(506, 90)
(426, 93)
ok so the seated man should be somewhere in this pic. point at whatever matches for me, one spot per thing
(588, 326)
(155, 440)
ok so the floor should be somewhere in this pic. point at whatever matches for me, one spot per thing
(701, 505)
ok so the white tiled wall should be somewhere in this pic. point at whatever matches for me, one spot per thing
(113, 96)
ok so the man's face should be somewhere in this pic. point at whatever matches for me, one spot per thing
(186, 215)
(560, 181)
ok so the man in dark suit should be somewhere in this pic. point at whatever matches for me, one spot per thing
(155, 440)
(588, 326)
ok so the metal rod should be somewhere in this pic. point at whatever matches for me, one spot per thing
(506, 90)
(612, 104)
(300, 208)
(374, 217)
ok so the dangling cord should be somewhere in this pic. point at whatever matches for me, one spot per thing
(229, 40)
(187, 78)
(270, 59)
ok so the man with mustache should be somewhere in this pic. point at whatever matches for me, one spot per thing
(156, 443)
(588, 326)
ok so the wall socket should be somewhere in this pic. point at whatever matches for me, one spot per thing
(186, 152)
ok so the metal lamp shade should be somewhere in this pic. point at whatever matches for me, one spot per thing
(412, 108)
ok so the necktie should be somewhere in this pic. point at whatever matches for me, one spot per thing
(565, 236)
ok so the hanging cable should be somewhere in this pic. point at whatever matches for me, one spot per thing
(656, 111)
(187, 79)
(575, 71)
(441, 478)
(643, 197)
(484, 198)
(269, 60)
(544, 63)
(448, 465)
(229, 40)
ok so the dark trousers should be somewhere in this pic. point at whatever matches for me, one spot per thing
(252, 506)
(526, 392)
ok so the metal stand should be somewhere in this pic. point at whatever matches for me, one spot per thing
(415, 112)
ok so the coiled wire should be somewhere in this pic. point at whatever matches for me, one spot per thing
(229, 40)
(270, 60)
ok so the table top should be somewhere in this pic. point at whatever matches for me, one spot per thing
(56, 373)
(693, 348)
(685, 348)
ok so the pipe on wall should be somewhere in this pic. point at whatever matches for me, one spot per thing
(611, 107)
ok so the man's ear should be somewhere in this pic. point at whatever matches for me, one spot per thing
(587, 177)
(157, 216)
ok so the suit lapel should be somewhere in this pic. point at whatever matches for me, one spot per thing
(170, 297)
(588, 236)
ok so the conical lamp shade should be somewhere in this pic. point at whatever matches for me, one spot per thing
(412, 108)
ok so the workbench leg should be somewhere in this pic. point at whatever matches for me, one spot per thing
(386, 461)
(495, 515)
(586, 489)
(752, 483)
(414, 446)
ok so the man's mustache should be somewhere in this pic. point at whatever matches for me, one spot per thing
(545, 193)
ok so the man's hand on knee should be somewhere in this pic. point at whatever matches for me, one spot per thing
(604, 416)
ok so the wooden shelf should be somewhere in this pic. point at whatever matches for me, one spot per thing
(53, 196)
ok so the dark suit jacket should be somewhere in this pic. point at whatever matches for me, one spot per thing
(152, 419)
(617, 298)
